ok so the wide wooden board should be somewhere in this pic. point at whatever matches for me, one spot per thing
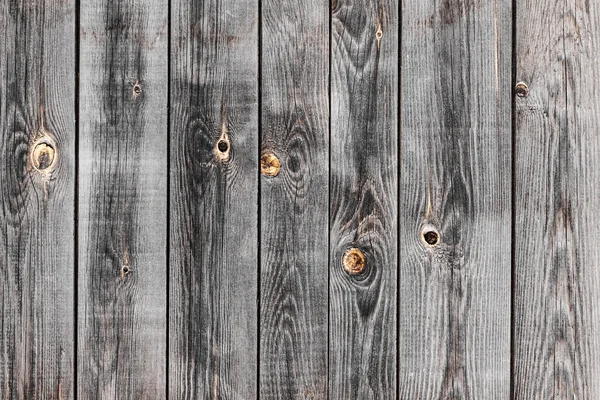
(293, 204)
(213, 340)
(557, 159)
(364, 199)
(122, 199)
(455, 289)
(37, 185)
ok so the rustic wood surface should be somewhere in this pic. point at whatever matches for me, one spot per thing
(213, 192)
(294, 203)
(37, 182)
(122, 200)
(557, 156)
(350, 199)
(364, 199)
(454, 338)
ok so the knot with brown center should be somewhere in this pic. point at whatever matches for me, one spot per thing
(354, 261)
(269, 164)
(43, 156)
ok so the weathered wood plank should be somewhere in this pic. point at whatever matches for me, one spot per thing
(214, 191)
(557, 292)
(294, 227)
(37, 180)
(455, 213)
(122, 199)
(364, 201)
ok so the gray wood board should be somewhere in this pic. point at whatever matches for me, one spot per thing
(122, 199)
(364, 198)
(455, 297)
(213, 319)
(557, 281)
(37, 180)
(294, 204)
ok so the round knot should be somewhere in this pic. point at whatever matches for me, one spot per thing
(43, 156)
(269, 164)
(521, 90)
(431, 237)
(354, 261)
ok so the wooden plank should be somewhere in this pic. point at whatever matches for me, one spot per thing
(557, 321)
(37, 181)
(455, 213)
(364, 201)
(214, 190)
(293, 223)
(122, 199)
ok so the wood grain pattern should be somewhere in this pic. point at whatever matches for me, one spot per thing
(557, 282)
(456, 182)
(214, 183)
(364, 202)
(122, 200)
(294, 227)
(37, 110)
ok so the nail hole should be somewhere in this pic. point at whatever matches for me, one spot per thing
(222, 146)
(137, 89)
(43, 156)
(432, 238)
(353, 261)
(521, 90)
(125, 270)
(269, 164)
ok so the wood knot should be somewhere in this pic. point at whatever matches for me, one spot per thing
(269, 164)
(521, 90)
(125, 270)
(353, 261)
(43, 155)
(431, 237)
(223, 146)
(379, 34)
(136, 91)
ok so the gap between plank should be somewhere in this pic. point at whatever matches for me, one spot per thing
(77, 30)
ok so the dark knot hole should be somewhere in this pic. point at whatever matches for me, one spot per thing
(431, 237)
(222, 146)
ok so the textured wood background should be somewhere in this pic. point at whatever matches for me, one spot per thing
(300, 199)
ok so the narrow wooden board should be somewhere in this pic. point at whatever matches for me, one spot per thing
(364, 199)
(122, 200)
(455, 296)
(557, 281)
(37, 182)
(214, 190)
(293, 204)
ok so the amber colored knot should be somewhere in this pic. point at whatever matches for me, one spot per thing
(353, 261)
(269, 164)
(43, 156)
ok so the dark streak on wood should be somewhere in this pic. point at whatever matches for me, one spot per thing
(214, 221)
(364, 178)
(122, 198)
(455, 296)
(37, 76)
(293, 306)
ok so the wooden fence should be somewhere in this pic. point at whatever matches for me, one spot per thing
(345, 199)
